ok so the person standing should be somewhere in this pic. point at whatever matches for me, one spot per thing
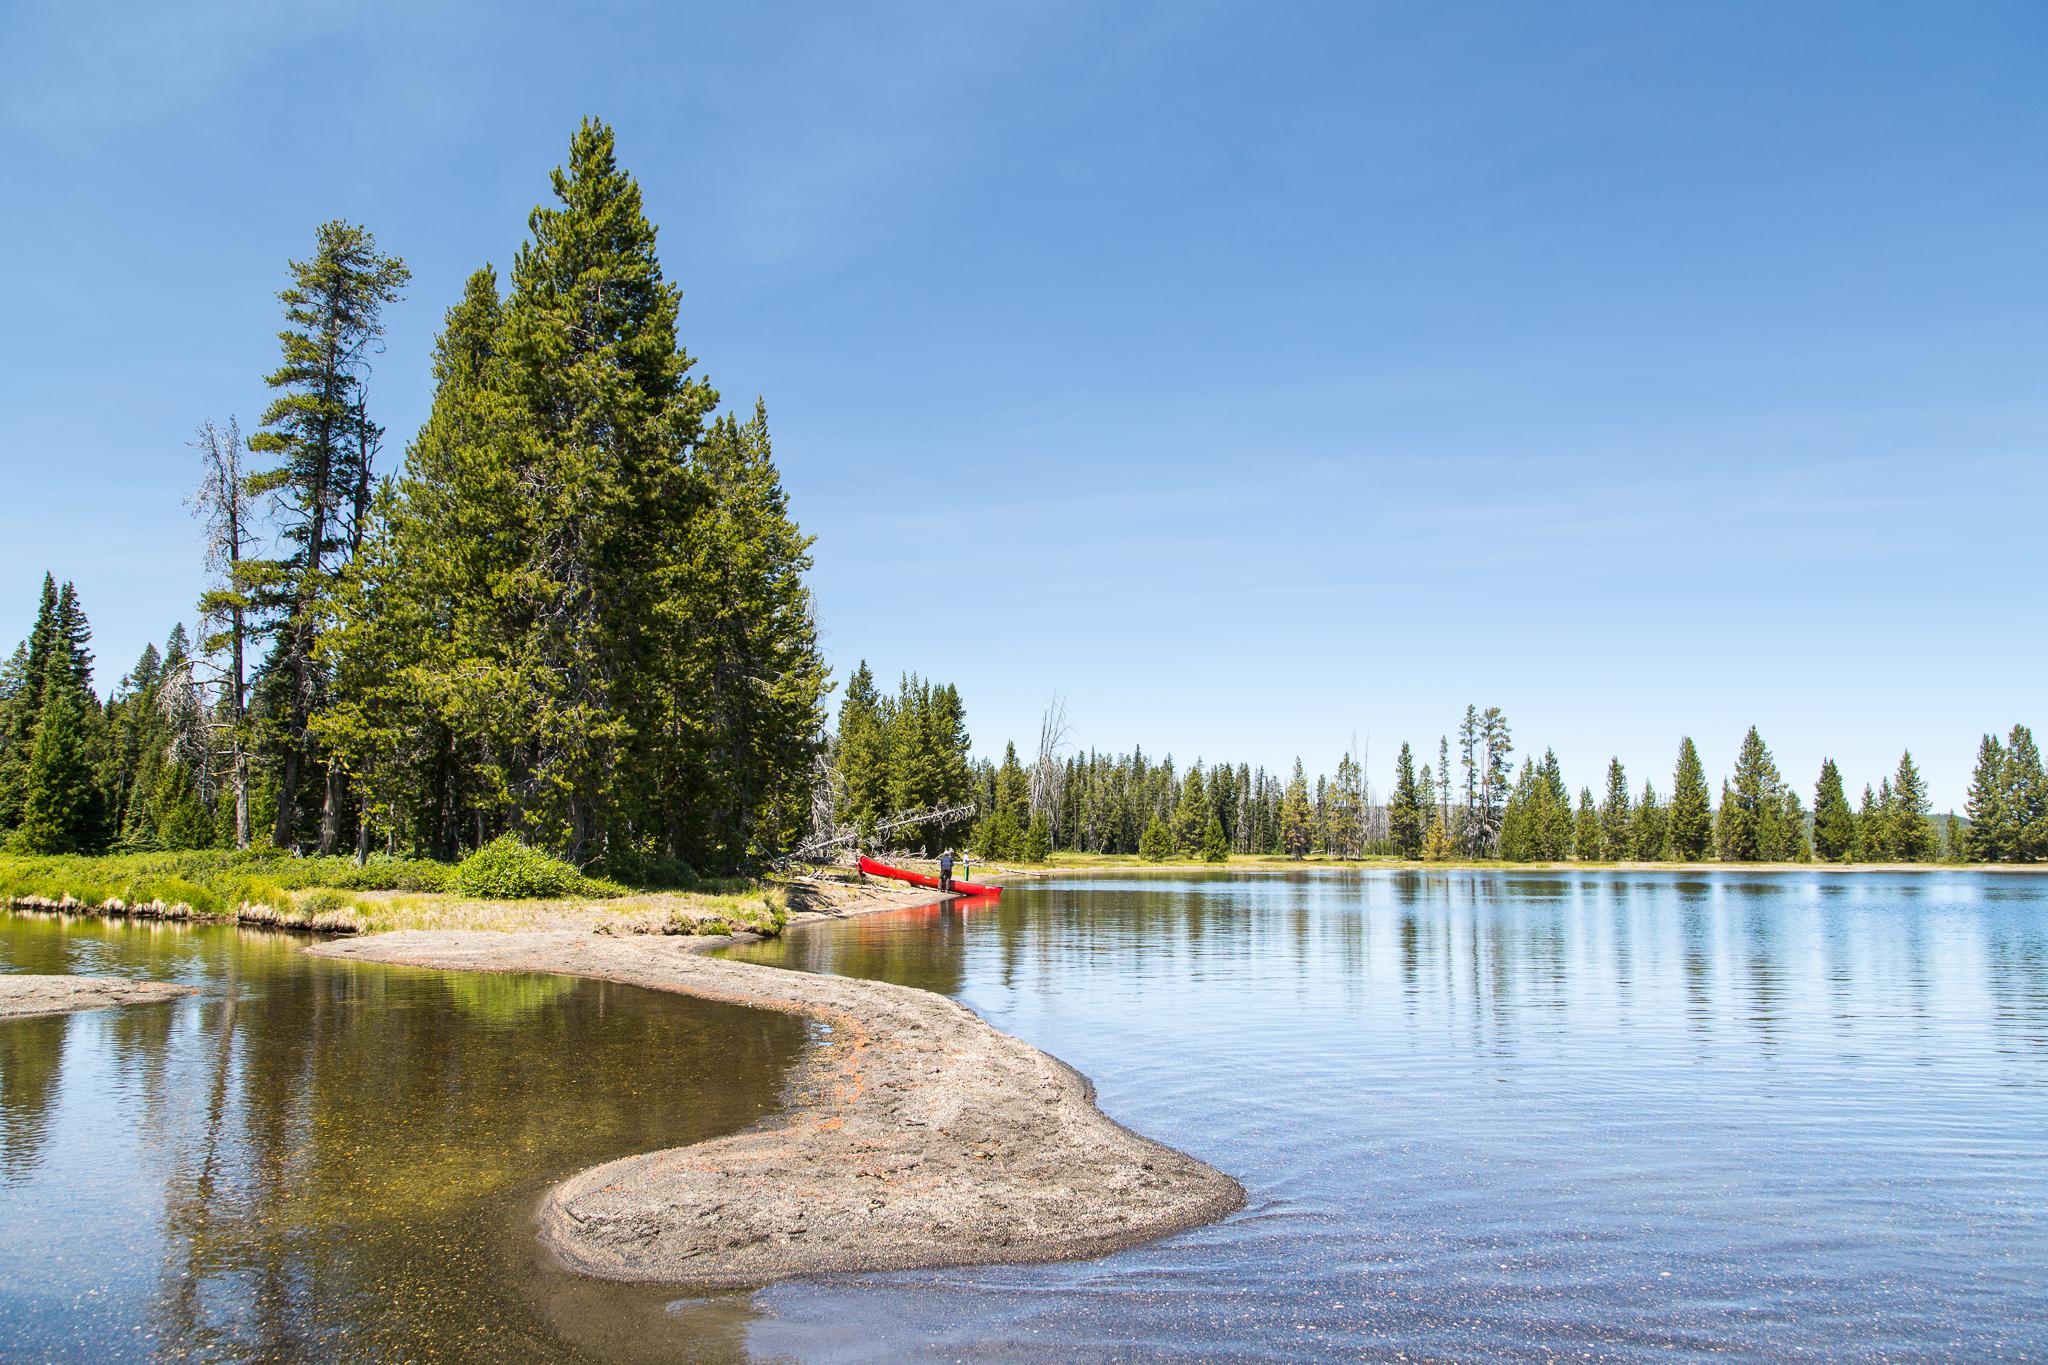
(946, 870)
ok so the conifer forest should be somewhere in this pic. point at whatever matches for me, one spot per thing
(575, 611)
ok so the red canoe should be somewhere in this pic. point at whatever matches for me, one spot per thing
(875, 869)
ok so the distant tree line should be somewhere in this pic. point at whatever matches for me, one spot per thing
(578, 613)
(1470, 802)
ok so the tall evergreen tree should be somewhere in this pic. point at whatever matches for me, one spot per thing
(25, 705)
(1616, 838)
(1692, 817)
(317, 430)
(59, 810)
(1588, 842)
(1991, 817)
(1751, 808)
(2026, 797)
(1297, 817)
(1650, 833)
(1406, 810)
(1834, 823)
(1912, 833)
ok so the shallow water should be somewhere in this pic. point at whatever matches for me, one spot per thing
(1511, 1116)
(1480, 1116)
(318, 1160)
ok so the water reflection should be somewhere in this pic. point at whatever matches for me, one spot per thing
(314, 1160)
(1509, 1115)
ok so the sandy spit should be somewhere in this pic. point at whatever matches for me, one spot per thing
(22, 994)
(915, 1136)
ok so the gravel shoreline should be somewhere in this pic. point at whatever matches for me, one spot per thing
(918, 1136)
(22, 994)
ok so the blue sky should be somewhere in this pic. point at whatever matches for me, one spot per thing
(1254, 376)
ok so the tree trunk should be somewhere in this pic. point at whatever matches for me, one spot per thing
(330, 810)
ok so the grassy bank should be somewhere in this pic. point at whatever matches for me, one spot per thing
(336, 895)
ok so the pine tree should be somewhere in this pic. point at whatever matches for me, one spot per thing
(31, 663)
(1651, 831)
(1616, 838)
(862, 753)
(1873, 826)
(1156, 845)
(1991, 818)
(1692, 816)
(59, 812)
(1406, 818)
(1215, 847)
(1297, 817)
(2026, 797)
(1752, 808)
(1955, 839)
(323, 442)
(1912, 833)
(1834, 823)
(1436, 840)
(1191, 812)
(1038, 840)
(1588, 840)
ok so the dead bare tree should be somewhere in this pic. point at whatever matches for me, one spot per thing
(221, 504)
(1047, 772)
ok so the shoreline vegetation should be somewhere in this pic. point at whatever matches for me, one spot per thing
(915, 1135)
(336, 896)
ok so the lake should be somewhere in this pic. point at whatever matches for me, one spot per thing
(1481, 1115)
(1506, 1115)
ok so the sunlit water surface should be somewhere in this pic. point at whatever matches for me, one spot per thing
(1511, 1116)
(318, 1160)
(1480, 1116)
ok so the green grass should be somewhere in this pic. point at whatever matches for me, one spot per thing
(264, 886)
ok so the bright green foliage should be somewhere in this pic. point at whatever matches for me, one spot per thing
(1955, 839)
(1038, 840)
(581, 613)
(1992, 825)
(1215, 847)
(1297, 817)
(1873, 825)
(508, 869)
(1191, 813)
(59, 811)
(1013, 792)
(1156, 844)
(1650, 829)
(1834, 823)
(1436, 840)
(2026, 797)
(1589, 843)
(2008, 801)
(1752, 824)
(1911, 832)
(1344, 829)
(1407, 808)
(1616, 838)
(861, 753)
(1691, 823)
(1537, 823)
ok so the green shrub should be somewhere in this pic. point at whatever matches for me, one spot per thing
(321, 902)
(506, 869)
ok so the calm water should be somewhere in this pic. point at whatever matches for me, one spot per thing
(1504, 1116)
(1481, 1116)
(338, 1161)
